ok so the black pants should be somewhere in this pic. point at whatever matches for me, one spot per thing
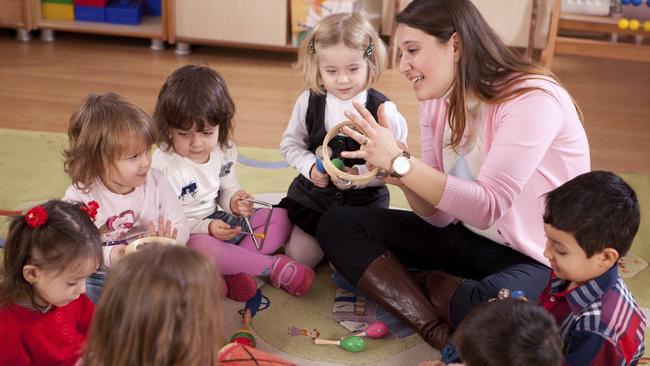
(353, 237)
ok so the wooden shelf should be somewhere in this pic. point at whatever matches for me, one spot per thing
(588, 23)
(599, 48)
(149, 27)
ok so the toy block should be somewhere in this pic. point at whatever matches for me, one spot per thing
(57, 11)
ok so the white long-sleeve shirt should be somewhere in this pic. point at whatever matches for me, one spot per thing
(121, 215)
(199, 187)
(295, 138)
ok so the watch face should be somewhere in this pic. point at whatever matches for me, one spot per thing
(401, 165)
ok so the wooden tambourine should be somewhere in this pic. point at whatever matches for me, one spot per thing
(346, 180)
(141, 243)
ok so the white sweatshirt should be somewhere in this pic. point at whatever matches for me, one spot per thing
(199, 187)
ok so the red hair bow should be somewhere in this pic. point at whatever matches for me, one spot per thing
(90, 209)
(36, 216)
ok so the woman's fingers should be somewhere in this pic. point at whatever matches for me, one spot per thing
(381, 116)
(367, 116)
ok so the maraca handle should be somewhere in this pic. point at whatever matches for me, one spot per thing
(319, 165)
(327, 341)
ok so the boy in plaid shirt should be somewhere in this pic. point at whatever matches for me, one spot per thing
(590, 223)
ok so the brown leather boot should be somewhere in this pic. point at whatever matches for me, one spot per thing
(439, 287)
(389, 284)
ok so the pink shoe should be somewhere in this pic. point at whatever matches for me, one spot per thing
(293, 277)
(241, 286)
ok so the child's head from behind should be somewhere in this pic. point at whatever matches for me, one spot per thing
(110, 140)
(194, 112)
(509, 332)
(160, 306)
(590, 221)
(342, 55)
(49, 253)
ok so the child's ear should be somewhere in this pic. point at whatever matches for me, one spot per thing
(608, 257)
(31, 273)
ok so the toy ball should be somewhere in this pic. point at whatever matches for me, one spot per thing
(635, 25)
(646, 24)
(623, 24)
(338, 163)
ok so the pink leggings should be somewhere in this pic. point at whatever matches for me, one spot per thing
(244, 257)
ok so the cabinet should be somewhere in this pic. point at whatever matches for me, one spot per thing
(152, 27)
(15, 14)
(252, 23)
(261, 24)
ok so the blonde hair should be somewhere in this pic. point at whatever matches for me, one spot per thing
(352, 30)
(160, 306)
(103, 128)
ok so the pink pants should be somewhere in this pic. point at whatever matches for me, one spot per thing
(244, 257)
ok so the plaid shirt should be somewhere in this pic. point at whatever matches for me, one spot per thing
(599, 321)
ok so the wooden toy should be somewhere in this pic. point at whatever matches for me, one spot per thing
(345, 180)
(351, 343)
(244, 335)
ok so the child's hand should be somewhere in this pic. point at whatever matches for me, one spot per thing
(240, 205)
(117, 253)
(319, 179)
(165, 229)
(222, 231)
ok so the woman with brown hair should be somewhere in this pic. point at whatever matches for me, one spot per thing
(160, 306)
(498, 132)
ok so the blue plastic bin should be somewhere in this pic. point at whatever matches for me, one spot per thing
(89, 13)
(153, 7)
(124, 12)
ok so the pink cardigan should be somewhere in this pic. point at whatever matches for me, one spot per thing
(533, 144)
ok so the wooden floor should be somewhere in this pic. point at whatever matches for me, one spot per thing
(41, 84)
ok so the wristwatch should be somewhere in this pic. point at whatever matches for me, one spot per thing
(400, 165)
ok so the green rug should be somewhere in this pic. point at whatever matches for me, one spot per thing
(31, 169)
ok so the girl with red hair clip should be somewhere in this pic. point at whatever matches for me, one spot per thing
(44, 311)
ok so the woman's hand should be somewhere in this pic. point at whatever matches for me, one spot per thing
(164, 228)
(378, 143)
(240, 205)
(222, 231)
